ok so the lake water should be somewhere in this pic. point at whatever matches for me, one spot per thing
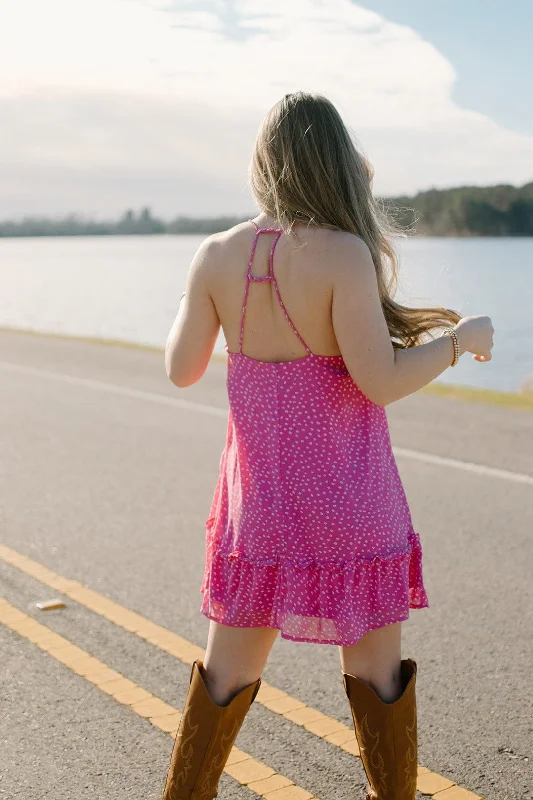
(128, 288)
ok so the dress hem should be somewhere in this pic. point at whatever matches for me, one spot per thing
(337, 602)
(337, 642)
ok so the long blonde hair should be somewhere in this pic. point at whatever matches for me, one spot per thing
(306, 168)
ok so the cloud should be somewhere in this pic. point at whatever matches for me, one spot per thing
(111, 103)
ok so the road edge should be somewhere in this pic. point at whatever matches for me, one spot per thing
(470, 394)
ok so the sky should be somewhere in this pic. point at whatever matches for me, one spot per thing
(114, 104)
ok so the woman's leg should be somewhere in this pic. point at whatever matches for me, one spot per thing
(380, 687)
(234, 658)
(222, 688)
(376, 658)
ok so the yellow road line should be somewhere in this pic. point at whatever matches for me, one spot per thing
(279, 702)
(255, 775)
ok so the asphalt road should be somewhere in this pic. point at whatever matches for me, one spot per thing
(104, 483)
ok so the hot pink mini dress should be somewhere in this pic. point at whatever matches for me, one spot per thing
(309, 529)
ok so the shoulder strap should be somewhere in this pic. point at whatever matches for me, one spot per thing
(270, 277)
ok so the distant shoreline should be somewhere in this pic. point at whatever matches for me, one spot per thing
(412, 235)
(518, 400)
(462, 212)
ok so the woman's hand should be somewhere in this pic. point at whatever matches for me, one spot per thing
(475, 335)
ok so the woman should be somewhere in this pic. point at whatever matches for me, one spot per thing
(309, 533)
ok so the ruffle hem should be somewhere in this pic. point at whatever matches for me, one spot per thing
(333, 603)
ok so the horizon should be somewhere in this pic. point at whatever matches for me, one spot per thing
(87, 217)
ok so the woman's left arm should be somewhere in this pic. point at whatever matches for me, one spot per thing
(192, 337)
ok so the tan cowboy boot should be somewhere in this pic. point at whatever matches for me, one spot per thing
(387, 735)
(204, 739)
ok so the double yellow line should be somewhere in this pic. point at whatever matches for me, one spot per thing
(257, 776)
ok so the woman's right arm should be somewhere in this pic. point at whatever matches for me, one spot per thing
(382, 373)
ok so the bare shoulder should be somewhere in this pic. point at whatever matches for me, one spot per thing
(339, 253)
(349, 252)
(233, 235)
(221, 245)
(344, 254)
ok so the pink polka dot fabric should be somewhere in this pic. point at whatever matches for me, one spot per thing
(309, 529)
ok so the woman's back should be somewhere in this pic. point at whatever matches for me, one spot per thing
(304, 275)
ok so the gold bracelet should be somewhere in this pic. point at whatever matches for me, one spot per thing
(456, 351)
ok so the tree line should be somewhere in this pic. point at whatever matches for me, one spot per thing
(128, 225)
(502, 210)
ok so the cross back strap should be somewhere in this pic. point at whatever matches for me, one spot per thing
(270, 277)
